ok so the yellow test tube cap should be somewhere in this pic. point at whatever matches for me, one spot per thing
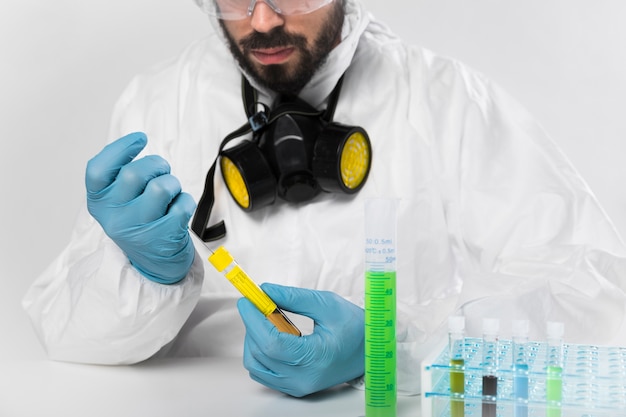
(221, 258)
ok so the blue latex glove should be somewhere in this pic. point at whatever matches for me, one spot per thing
(331, 355)
(141, 208)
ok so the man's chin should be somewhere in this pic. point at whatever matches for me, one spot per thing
(278, 78)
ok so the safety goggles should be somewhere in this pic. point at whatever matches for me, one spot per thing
(240, 9)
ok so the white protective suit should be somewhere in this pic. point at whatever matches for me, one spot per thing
(493, 220)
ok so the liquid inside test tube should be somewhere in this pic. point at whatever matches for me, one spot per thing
(520, 368)
(554, 369)
(490, 366)
(456, 345)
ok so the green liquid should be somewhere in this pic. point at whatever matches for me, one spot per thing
(457, 387)
(554, 391)
(380, 344)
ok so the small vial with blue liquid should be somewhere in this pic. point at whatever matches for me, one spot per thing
(490, 350)
(554, 369)
(520, 352)
(456, 345)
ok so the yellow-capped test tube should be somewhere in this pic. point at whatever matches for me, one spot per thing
(222, 260)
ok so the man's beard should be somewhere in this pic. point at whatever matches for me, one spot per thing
(278, 77)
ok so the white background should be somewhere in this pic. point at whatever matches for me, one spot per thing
(64, 62)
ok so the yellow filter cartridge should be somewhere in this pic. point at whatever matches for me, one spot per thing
(222, 260)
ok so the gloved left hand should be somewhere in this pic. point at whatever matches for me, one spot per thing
(140, 206)
(298, 366)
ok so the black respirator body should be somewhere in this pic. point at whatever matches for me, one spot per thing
(295, 153)
(295, 156)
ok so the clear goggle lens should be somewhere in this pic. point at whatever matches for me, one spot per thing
(240, 9)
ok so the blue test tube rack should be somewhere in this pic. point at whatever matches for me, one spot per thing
(593, 382)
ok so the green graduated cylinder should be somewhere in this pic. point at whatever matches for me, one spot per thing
(380, 344)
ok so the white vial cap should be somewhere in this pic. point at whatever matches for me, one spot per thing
(491, 326)
(456, 324)
(520, 328)
(555, 329)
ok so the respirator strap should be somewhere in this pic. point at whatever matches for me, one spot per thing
(205, 205)
(329, 113)
(250, 101)
(249, 98)
(256, 121)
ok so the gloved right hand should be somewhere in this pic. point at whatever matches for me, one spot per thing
(298, 366)
(140, 206)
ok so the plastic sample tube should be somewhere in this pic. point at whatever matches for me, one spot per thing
(225, 263)
(554, 369)
(520, 368)
(491, 328)
(456, 345)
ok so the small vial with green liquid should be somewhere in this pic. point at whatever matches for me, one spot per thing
(490, 350)
(520, 367)
(456, 345)
(554, 369)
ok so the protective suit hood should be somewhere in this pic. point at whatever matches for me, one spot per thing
(338, 61)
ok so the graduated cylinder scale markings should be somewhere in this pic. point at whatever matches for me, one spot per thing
(380, 343)
(380, 309)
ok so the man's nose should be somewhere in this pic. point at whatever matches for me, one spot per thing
(264, 18)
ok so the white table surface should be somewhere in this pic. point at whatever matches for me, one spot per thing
(33, 386)
(165, 387)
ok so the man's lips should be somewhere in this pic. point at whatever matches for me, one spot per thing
(272, 55)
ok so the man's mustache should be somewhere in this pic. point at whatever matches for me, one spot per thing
(276, 38)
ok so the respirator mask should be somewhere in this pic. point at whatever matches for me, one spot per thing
(295, 153)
